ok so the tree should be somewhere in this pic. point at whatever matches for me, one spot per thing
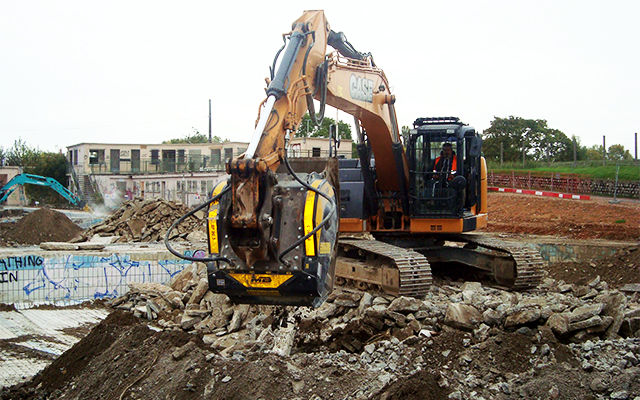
(196, 137)
(617, 152)
(594, 152)
(553, 145)
(308, 129)
(405, 134)
(531, 136)
(37, 162)
(21, 155)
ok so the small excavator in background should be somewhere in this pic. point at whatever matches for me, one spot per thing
(30, 179)
(273, 227)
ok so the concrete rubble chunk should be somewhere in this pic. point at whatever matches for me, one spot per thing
(239, 315)
(462, 316)
(585, 323)
(559, 323)
(594, 282)
(524, 317)
(187, 322)
(366, 301)
(136, 225)
(62, 246)
(199, 292)
(347, 300)
(180, 281)
(326, 310)
(180, 352)
(175, 299)
(405, 305)
(149, 288)
(380, 300)
(90, 246)
(606, 323)
(615, 305)
(585, 312)
(493, 317)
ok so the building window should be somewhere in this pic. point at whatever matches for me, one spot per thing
(96, 156)
(155, 157)
(215, 157)
(181, 159)
(195, 160)
(228, 154)
(75, 157)
(315, 152)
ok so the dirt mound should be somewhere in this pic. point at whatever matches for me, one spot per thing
(578, 219)
(619, 269)
(146, 221)
(42, 225)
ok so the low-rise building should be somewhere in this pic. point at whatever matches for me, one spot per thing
(178, 172)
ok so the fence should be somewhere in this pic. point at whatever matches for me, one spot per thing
(568, 184)
(188, 163)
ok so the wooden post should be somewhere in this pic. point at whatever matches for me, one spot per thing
(575, 154)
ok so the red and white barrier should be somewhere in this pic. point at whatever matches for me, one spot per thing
(540, 193)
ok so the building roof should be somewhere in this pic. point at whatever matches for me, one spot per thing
(156, 144)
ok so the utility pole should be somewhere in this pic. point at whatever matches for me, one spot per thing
(210, 139)
(575, 155)
(604, 151)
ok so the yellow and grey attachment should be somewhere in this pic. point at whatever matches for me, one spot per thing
(212, 220)
(276, 264)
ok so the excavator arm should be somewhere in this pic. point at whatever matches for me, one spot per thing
(273, 230)
(23, 179)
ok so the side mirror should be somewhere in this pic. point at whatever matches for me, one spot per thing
(475, 146)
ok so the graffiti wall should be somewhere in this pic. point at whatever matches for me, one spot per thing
(32, 278)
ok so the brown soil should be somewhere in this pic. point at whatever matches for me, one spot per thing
(7, 307)
(578, 219)
(619, 269)
(42, 225)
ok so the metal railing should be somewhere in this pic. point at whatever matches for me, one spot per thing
(177, 165)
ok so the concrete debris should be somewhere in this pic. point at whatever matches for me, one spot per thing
(379, 332)
(141, 220)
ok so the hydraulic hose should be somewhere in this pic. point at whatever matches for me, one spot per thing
(187, 215)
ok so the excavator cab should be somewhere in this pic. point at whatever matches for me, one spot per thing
(444, 164)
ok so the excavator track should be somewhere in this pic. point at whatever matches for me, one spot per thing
(398, 271)
(528, 270)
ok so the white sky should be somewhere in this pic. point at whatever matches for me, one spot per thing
(142, 72)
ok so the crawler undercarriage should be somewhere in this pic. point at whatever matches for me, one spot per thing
(401, 266)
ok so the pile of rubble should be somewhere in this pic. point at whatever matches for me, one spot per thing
(141, 220)
(481, 328)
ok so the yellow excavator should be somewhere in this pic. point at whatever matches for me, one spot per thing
(273, 226)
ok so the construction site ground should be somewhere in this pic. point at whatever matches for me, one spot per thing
(574, 337)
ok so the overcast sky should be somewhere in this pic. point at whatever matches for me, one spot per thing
(142, 72)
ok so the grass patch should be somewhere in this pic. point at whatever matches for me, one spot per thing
(627, 172)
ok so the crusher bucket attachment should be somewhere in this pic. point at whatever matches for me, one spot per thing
(282, 261)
